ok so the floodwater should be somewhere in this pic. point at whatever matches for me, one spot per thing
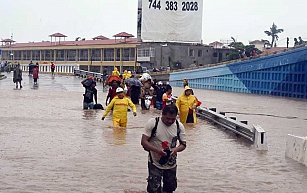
(49, 144)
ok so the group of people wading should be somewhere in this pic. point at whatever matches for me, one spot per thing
(161, 133)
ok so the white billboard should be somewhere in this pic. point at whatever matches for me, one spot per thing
(171, 21)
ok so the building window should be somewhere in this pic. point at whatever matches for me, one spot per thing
(83, 55)
(117, 54)
(35, 55)
(17, 55)
(47, 55)
(146, 52)
(191, 53)
(60, 55)
(28, 55)
(71, 55)
(96, 55)
(200, 53)
(5, 55)
(132, 54)
(128, 54)
(108, 54)
(24, 55)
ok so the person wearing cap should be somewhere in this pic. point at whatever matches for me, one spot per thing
(159, 90)
(119, 104)
(90, 95)
(187, 104)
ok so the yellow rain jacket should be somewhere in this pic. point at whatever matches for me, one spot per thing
(120, 107)
(126, 75)
(115, 72)
(129, 74)
(184, 104)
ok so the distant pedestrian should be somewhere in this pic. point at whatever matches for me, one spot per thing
(159, 90)
(112, 92)
(300, 41)
(17, 76)
(296, 43)
(167, 96)
(185, 83)
(52, 68)
(35, 74)
(31, 67)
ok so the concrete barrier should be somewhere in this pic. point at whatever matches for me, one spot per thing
(260, 138)
(296, 148)
(254, 134)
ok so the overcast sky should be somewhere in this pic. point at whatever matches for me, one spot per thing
(246, 20)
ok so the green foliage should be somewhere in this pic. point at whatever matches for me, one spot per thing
(273, 32)
(239, 50)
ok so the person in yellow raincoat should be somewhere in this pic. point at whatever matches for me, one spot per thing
(129, 74)
(115, 72)
(187, 104)
(126, 75)
(119, 104)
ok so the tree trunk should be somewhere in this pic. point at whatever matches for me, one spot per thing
(273, 39)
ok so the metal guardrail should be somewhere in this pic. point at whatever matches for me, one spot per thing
(82, 73)
(254, 134)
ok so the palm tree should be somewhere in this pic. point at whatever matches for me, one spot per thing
(273, 33)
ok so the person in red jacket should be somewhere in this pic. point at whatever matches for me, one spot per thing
(112, 92)
(35, 74)
(52, 68)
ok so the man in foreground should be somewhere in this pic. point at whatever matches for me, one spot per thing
(160, 140)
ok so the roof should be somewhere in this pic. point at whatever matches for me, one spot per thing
(57, 35)
(100, 38)
(74, 43)
(7, 40)
(257, 42)
(124, 35)
(216, 43)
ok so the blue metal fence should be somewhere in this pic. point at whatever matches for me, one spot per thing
(283, 74)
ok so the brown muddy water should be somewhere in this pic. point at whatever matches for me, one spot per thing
(49, 144)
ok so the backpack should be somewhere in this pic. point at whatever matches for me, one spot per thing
(154, 131)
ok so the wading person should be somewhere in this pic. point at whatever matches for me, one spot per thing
(167, 96)
(52, 68)
(90, 95)
(119, 104)
(160, 140)
(17, 76)
(35, 74)
(187, 104)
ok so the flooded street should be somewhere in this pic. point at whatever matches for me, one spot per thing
(49, 144)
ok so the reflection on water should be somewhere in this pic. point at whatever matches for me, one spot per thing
(49, 144)
(89, 114)
(119, 135)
